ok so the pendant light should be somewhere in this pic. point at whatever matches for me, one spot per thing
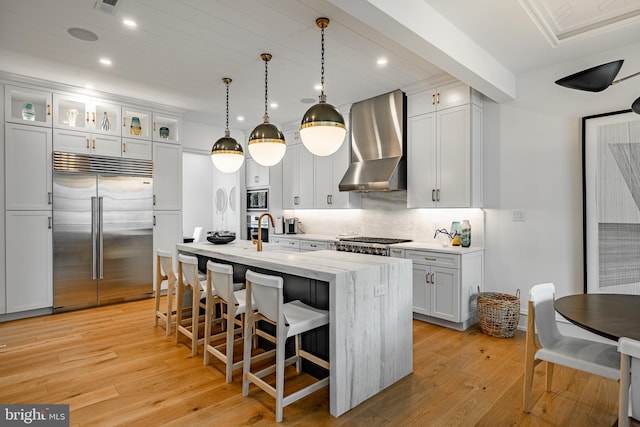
(266, 142)
(597, 79)
(226, 154)
(322, 128)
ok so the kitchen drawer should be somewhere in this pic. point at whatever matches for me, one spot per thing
(313, 245)
(434, 258)
(293, 244)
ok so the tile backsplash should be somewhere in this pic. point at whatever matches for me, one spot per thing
(386, 215)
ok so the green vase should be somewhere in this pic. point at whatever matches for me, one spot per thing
(135, 129)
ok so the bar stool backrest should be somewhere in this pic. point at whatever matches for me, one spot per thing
(189, 269)
(267, 293)
(166, 264)
(222, 280)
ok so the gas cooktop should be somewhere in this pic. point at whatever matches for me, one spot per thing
(377, 240)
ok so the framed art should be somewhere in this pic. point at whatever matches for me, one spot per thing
(611, 202)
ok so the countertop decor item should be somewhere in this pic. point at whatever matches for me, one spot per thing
(136, 128)
(226, 154)
(105, 126)
(28, 112)
(221, 237)
(465, 234)
(266, 142)
(455, 233)
(322, 129)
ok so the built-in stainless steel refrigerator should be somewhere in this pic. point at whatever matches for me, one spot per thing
(102, 230)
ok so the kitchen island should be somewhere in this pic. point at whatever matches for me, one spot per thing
(370, 315)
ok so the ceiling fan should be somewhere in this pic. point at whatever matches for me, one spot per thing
(597, 79)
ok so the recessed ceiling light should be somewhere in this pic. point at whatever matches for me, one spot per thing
(88, 86)
(240, 118)
(381, 61)
(82, 34)
(105, 61)
(317, 87)
(274, 105)
(129, 23)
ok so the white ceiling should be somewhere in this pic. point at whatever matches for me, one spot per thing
(181, 49)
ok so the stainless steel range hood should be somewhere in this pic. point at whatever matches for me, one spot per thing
(378, 144)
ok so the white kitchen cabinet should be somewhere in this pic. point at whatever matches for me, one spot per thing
(28, 179)
(444, 162)
(166, 127)
(167, 176)
(29, 260)
(16, 97)
(328, 172)
(256, 175)
(445, 285)
(167, 232)
(73, 112)
(137, 149)
(136, 123)
(71, 141)
(286, 242)
(440, 98)
(297, 178)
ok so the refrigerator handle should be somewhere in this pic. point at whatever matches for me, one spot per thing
(100, 239)
(93, 238)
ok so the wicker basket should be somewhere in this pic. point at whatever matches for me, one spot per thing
(498, 314)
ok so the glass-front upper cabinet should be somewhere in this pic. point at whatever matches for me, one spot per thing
(136, 123)
(27, 106)
(86, 114)
(166, 127)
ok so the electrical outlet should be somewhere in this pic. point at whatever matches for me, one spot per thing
(378, 290)
(519, 215)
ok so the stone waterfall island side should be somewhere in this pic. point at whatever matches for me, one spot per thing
(370, 311)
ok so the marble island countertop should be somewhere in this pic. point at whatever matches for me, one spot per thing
(370, 311)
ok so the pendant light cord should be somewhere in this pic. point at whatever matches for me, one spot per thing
(266, 90)
(322, 63)
(226, 130)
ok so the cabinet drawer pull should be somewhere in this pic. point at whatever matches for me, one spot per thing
(124, 147)
(429, 258)
(395, 251)
(313, 245)
(292, 243)
(48, 109)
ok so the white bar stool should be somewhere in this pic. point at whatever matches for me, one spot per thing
(165, 275)
(291, 320)
(188, 278)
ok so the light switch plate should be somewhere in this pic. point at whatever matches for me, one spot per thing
(519, 215)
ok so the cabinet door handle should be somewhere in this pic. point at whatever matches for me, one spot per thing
(48, 109)
(433, 99)
(87, 119)
(154, 220)
(124, 147)
(154, 200)
(154, 126)
(256, 179)
(438, 195)
(50, 198)
(50, 223)
(87, 143)
(94, 143)
(433, 194)
(438, 98)
(124, 122)
(426, 277)
(93, 117)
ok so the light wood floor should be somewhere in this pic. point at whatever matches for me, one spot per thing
(113, 367)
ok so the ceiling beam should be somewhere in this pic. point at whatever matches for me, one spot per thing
(419, 27)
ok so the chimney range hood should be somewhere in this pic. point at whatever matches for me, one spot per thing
(378, 144)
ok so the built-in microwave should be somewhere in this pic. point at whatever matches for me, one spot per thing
(257, 200)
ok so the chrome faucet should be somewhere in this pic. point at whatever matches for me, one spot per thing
(259, 241)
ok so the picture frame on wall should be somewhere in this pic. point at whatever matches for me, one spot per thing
(611, 202)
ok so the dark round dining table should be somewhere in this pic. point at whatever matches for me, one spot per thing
(609, 315)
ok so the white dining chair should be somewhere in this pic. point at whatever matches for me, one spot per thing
(290, 319)
(554, 348)
(629, 349)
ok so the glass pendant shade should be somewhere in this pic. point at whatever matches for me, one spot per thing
(266, 144)
(226, 154)
(322, 129)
